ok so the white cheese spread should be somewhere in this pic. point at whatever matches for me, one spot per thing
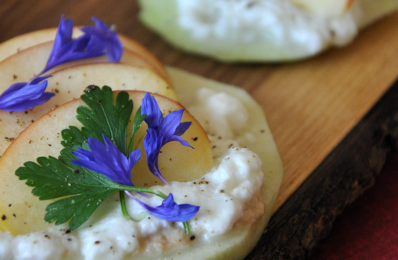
(277, 21)
(227, 196)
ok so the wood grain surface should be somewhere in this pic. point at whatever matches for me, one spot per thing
(351, 168)
(310, 105)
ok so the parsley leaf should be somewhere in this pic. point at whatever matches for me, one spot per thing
(138, 119)
(102, 116)
(84, 189)
(80, 190)
(52, 178)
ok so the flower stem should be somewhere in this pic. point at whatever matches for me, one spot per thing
(145, 190)
(186, 227)
(124, 208)
(155, 192)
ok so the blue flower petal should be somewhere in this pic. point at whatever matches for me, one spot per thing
(170, 124)
(12, 92)
(182, 128)
(77, 49)
(152, 146)
(161, 130)
(172, 129)
(150, 107)
(107, 160)
(105, 36)
(134, 157)
(100, 24)
(84, 154)
(114, 50)
(179, 139)
(91, 165)
(64, 34)
(96, 41)
(22, 89)
(171, 211)
(22, 96)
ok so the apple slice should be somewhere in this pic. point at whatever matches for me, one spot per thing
(27, 40)
(24, 41)
(69, 84)
(24, 213)
(22, 66)
(324, 8)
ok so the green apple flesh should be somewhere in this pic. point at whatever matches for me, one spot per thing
(42, 138)
(69, 83)
(289, 33)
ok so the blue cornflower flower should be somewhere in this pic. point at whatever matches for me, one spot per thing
(169, 210)
(106, 38)
(160, 132)
(107, 160)
(25, 95)
(96, 41)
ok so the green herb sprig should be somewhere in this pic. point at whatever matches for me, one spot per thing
(80, 190)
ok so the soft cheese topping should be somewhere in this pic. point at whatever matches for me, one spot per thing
(224, 118)
(248, 21)
(227, 196)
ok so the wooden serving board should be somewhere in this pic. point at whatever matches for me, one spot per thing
(334, 117)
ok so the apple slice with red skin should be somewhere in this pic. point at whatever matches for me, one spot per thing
(27, 40)
(23, 66)
(24, 41)
(24, 213)
(69, 83)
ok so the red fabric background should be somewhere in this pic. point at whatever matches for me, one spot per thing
(367, 229)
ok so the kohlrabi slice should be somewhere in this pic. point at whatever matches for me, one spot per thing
(238, 242)
(258, 31)
(234, 244)
(326, 8)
